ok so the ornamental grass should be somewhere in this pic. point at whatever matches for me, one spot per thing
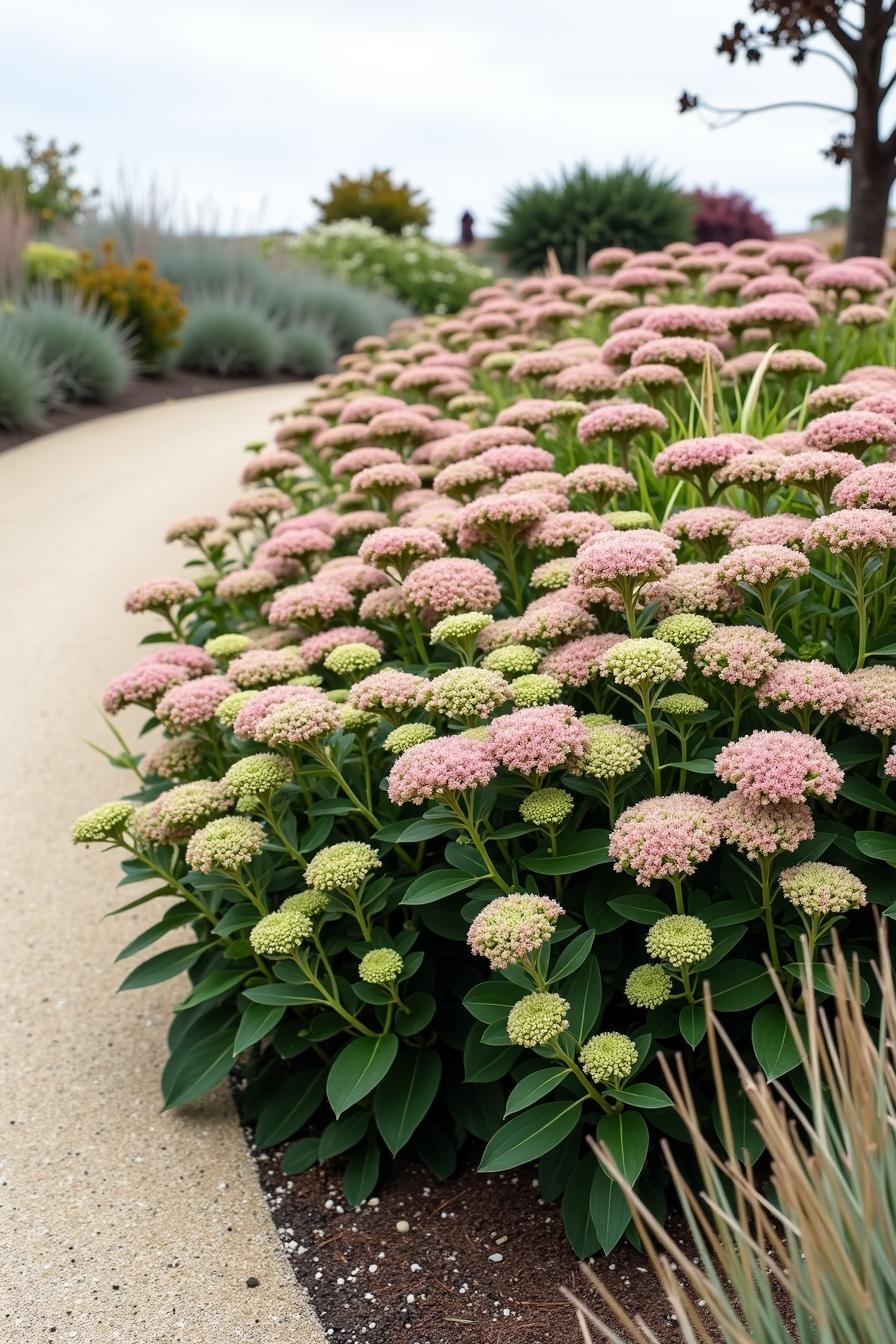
(539, 678)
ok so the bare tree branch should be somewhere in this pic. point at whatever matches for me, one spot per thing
(731, 115)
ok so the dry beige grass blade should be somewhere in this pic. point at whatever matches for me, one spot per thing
(811, 1260)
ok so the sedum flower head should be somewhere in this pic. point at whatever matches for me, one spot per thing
(511, 660)
(664, 837)
(408, 735)
(258, 774)
(342, 867)
(681, 705)
(467, 693)
(462, 626)
(546, 807)
(352, 660)
(648, 986)
(226, 844)
(537, 1019)
(822, 888)
(310, 903)
(103, 823)
(232, 704)
(535, 688)
(511, 926)
(381, 966)
(626, 520)
(608, 1057)
(280, 934)
(639, 662)
(680, 940)
(225, 647)
(356, 720)
(613, 749)
(684, 629)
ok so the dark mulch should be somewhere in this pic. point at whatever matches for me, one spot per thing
(482, 1261)
(141, 392)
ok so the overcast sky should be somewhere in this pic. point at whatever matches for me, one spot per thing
(245, 109)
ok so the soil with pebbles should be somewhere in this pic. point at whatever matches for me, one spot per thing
(478, 1259)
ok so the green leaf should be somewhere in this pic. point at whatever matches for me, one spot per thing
(640, 907)
(645, 1096)
(491, 1000)
(533, 1087)
(527, 1136)
(179, 915)
(627, 1137)
(421, 1009)
(773, 1043)
(362, 1173)
(358, 1068)
(723, 913)
(406, 1095)
(821, 978)
(572, 956)
(212, 987)
(576, 1211)
(436, 885)
(482, 1063)
(861, 791)
(289, 1106)
(876, 845)
(575, 853)
(238, 917)
(299, 1156)
(426, 830)
(257, 1021)
(436, 1151)
(340, 1135)
(198, 1068)
(281, 995)
(737, 985)
(692, 1023)
(609, 1212)
(585, 994)
(163, 966)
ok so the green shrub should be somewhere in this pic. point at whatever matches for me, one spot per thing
(47, 264)
(26, 386)
(86, 347)
(582, 211)
(426, 275)
(386, 204)
(308, 349)
(229, 337)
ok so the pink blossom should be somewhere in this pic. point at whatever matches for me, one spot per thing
(515, 458)
(774, 767)
(404, 426)
(591, 379)
(450, 585)
(700, 456)
(687, 319)
(399, 546)
(619, 349)
(143, 685)
(195, 661)
(616, 558)
(871, 699)
(853, 530)
(357, 521)
(810, 685)
(534, 412)
(553, 618)
(387, 478)
(739, 654)
(664, 837)
(693, 588)
(245, 583)
(867, 488)
(358, 410)
(749, 468)
(310, 602)
(778, 529)
(193, 703)
(840, 275)
(440, 768)
(601, 481)
(160, 595)
(389, 690)
(776, 310)
(684, 352)
(497, 516)
(193, 528)
(361, 458)
(566, 529)
(263, 667)
(315, 648)
(532, 742)
(657, 376)
(850, 431)
(576, 662)
(761, 832)
(701, 524)
(809, 467)
(247, 723)
(384, 604)
(762, 565)
(259, 503)
(620, 421)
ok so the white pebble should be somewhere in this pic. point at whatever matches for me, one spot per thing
(496, 1257)
(402, 1225)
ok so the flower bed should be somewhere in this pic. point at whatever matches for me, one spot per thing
(540, 677)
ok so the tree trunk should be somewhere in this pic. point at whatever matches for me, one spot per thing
(869, 198)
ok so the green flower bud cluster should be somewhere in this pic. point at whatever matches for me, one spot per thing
(459, 628)
(225, 647)
(408, 735)
(511, 660)
(679, 940)
(681, 705)
(231, 705)
(537, 1019)
(103, 823)
(259, 774)
(608, 1057)
(683, 629)
(280, 934)
(382, 966)
(640, 662)
(648, 986)
(310, 903)
(547, 807)
(535, 688)
(342, 867)
(352, 660)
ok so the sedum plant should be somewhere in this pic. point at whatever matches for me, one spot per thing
(539, 677)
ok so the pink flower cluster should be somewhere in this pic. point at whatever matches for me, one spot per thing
(771, 767)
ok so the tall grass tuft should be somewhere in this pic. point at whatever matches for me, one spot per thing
(308, 349)
(806, 1250)
(88, 351)
(26, 386)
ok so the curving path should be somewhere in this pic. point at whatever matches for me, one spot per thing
(121, 1223)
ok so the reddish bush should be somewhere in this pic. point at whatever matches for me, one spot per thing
(721, 217)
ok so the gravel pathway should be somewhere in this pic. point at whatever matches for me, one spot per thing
(121, 1223)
